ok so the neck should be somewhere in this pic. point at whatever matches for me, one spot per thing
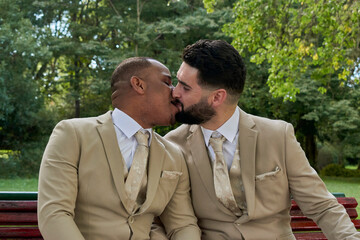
(132, 110)
(222, 115)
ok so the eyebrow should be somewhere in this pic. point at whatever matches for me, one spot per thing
(183, 83)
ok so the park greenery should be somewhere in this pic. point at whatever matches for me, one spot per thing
(57, 56)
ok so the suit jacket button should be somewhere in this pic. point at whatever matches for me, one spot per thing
(131, 219)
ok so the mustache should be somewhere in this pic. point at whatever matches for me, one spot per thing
(177, 102)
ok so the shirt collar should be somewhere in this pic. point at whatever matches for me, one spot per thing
(229, 129)
(127, 125)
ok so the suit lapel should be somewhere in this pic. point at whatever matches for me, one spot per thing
(156, 159)
(200, 157)
(113, 154)
(247, 141)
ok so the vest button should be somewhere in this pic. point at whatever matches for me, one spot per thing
(131, 219)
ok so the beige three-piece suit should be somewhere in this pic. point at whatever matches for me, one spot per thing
(273, 167)
(81, 186)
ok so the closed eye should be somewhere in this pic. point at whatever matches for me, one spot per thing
(185, 86)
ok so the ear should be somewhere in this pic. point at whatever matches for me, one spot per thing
(218, 97)
(138, 84)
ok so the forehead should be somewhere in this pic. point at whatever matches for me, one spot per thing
(187, 74)
(161, 68)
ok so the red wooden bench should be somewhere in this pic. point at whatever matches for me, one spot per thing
(305, 228)
(18, 218)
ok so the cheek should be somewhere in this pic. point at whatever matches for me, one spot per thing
(161, 99)
(191, 99)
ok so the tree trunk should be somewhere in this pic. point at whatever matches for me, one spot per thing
(311, 150)
(77, 87)
(306, 134)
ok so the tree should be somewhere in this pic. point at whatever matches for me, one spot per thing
(89, 38)
(330, 119)
(316, 39)
(22, 106)
(311, 52)
(60, 54)
(25, 121)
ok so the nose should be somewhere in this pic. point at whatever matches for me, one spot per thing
(175, 91)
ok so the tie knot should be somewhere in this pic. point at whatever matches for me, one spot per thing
(142, 138)
(216, 142)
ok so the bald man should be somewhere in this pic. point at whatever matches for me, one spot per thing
(88, 187)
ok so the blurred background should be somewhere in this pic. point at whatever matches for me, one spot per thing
(302, 57)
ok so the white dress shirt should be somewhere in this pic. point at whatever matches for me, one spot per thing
(230, 130)
(125, 128)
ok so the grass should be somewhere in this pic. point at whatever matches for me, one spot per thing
(19, 184)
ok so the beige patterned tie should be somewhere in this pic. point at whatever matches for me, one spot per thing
(137, 171)
(221, 177)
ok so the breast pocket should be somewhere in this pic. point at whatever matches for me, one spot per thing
(268, 175)
(168, 183)
(272, 192)
(167, 186)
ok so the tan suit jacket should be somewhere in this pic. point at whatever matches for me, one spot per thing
(274, 167)
(81, 186)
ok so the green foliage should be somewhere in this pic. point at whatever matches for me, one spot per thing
(88, 39)
(302, 38)
(57, 57)
(24, 163)
(209, 5)
(23, 116)
(337, 170)
(319, 119)
(326, 109)
(327, 155)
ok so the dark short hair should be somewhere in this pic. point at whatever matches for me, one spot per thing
(219, 64)
(128, 68)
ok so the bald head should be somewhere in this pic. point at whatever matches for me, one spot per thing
(128, 68)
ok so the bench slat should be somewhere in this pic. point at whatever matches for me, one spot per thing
(347, 202)
(311, 226)
(9, 195)
(19, 218)
(310, 235)
(296, 214)
(27, 232)
(13, 206)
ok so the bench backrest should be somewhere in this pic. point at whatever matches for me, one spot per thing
(18, 217)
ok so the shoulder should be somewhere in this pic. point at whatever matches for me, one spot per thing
(265, 126)
(173, 152)
(81, 126)
(180, 134)
(259, 122)
(85, 122)
(169, 146)
(267, 123)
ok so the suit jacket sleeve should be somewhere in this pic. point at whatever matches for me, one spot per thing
(58, 184)
(178, 217)
(312, 196)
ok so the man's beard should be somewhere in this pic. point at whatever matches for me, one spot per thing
(198, 113)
